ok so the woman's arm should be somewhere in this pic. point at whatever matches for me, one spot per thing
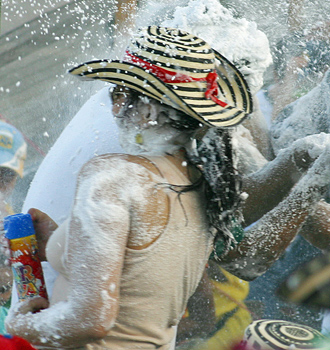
(267, 240)
(96, 242)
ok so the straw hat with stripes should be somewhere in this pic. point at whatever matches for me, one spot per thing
(180, 70)
(283, 335)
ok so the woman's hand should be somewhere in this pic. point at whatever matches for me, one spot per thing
(32, 305)
(44, 227)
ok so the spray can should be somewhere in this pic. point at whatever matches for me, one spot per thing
(24, 259)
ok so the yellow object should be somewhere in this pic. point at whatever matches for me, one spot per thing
(24, 261)
(139, 139)
(231, 313)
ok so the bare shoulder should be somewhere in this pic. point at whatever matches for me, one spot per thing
(133, 182)
(120, 162)
(125, 177)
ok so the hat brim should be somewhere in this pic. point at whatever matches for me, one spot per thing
(186, 97)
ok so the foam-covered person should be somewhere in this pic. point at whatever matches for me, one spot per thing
(143, 224)
(92, 131)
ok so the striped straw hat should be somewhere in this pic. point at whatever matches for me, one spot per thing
(283, 335)
(180, 70)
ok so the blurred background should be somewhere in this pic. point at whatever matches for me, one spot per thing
(39, 42)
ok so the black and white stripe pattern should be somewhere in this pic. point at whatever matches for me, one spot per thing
(180, 52)
(281, 335)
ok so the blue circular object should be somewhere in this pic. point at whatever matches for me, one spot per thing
(18, 226)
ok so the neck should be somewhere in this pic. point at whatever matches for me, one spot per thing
(146, 127)
(179, 159)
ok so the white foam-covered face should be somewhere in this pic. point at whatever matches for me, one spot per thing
(144, 126)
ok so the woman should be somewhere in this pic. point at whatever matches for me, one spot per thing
(142, 226)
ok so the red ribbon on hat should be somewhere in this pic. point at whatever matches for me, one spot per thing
(169, 77)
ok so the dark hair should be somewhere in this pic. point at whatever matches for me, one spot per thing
(213, 155)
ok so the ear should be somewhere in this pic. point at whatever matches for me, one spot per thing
(155, 110)
(142, 111)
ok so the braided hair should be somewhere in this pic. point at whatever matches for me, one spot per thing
(213, 155)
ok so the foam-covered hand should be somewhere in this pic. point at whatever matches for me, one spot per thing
(32, 305)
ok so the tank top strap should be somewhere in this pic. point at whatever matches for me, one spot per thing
(163, 165)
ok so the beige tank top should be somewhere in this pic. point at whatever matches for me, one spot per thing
(156, 281)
